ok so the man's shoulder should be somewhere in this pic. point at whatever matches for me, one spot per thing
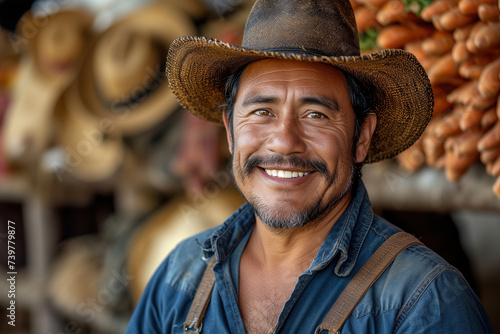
(419, 289)
(413, 271)
(186, 263)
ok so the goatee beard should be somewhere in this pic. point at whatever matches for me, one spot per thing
(285, 216)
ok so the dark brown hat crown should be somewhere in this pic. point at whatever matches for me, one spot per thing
(323, 27)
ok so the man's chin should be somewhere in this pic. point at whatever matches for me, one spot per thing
(285, 215)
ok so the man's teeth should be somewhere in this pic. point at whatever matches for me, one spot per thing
(285, 174)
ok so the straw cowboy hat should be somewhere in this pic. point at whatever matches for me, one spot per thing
(92, 148)
(75, 273)
(52, 55)
(315, 31)
(123, 79)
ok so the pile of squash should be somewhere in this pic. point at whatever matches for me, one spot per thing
(458, 44)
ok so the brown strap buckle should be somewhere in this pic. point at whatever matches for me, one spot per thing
(193, 327)
(319, 329)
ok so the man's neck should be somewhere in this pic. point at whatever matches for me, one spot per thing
(281, 250)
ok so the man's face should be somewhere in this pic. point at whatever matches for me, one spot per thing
(293, 130)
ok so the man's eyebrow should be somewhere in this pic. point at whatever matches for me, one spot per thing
(254, 99)
(322, 101)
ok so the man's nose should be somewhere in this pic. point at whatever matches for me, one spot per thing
(286, 137)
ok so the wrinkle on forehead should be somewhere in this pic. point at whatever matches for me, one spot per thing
(280, 70)
(258, 70)
(285, 80)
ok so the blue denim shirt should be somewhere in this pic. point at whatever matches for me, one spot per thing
(419, 293)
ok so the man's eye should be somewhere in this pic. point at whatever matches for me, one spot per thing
(262, 112)
(315, 115)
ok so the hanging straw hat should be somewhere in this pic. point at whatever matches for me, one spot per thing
(123, 79)
(196, 9)
(92, 148)
(52, 55)
(179, 219)
(316, 31)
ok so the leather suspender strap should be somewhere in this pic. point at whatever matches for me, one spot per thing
(201, 300)
(364, 279)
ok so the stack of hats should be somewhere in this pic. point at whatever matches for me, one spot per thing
(80, 91)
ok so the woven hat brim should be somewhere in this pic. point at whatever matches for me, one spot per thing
(198, 67)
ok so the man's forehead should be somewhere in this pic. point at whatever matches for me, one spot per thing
(265, 76)
(291, 68)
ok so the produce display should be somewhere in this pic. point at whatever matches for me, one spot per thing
(458, 44)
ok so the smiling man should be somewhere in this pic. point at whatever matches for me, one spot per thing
(303, 112)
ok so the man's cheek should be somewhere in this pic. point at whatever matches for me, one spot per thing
(248, 143)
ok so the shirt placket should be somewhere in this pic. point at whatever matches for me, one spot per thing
(299, 288)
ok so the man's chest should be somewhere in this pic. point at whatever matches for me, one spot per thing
(260, 304)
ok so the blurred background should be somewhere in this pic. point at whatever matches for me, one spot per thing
(102, 173)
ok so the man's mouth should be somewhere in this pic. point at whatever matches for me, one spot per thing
(285, 174)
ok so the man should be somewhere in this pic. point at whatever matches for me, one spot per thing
(303, 111)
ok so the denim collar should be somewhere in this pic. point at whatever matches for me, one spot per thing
(347, 235)
(226, 237)
(342, 243)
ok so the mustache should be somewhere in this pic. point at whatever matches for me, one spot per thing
(289, 161)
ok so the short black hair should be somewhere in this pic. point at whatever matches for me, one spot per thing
(359, 95)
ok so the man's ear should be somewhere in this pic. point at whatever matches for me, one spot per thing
(365, 136)
(228, 131)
